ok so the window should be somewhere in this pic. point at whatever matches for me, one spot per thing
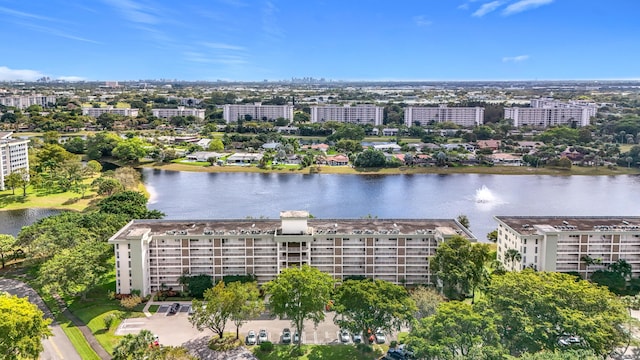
(129, 246)
(536, 250)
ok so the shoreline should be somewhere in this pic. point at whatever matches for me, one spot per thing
(347, 170)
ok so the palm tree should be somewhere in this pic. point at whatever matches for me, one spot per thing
(588, 261)
(622, 267)
(513, 255)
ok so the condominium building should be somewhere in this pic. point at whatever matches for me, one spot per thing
(359, 114)
(151, 254)
(463, 116)
(545, 112)
(23, 102)
(561, 243)
(180, 111)
(14, 155)
(256, 111)
(96, 112)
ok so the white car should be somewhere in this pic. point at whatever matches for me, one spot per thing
(252, 339)
(262, 336)
(344, 336)
(357, 338)
(380, 338)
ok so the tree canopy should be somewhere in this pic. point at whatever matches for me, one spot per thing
(300, 293)
(22, 328)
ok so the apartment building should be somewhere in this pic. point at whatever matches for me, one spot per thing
(14, 155)
(545, 112)
(96, 112)
(359, 114)
(257, 111)
(180, 111)
(463, 116)
(23, 102)
(151, 254)
(559, 243)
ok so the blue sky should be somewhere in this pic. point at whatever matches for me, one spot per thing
(248, 40)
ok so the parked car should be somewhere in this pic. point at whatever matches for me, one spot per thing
(380, 338)
(286, 336)
(262, 336)
(344, 336)
(296, 338)
(174, 308)
(357, 338)
(252, 339)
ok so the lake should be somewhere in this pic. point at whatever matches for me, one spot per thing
(192, 195)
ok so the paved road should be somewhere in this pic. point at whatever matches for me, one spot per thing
(56, 347)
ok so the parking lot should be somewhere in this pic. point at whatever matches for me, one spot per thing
(175, 329)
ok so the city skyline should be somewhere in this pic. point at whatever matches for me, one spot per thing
(244, 40)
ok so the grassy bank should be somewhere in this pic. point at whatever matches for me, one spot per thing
(347, 170)
(313, 352)
(41, 198)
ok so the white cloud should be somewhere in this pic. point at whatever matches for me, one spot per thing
(421, 21)
(515, 59)
(487, 8)
(7, 74)
(22, 14)
(223, 46)
(56, 32)
(135, 12)
(524, 5)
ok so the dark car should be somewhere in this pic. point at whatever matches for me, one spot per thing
(286, 336)
(174, 308)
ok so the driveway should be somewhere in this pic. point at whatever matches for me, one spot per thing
(56, 347)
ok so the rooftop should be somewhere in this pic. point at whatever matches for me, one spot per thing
(532, 225)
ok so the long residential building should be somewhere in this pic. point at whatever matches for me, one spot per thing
(151, 254)
(14, 155)
(24, 101)
(180, 111)
(545, 112)
(256, 111)
(562, 243)
(463, 116)
(96, 112)
(359, 114)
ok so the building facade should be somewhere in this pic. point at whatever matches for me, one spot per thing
(545, 112)
(151, 254)
(14, 155)
(257, 111)
(96, 112)
(23, 102)
(180, 111)
(360, 114)
(561, 243)
(463, 116)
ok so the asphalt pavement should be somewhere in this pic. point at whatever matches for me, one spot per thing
(56, 347)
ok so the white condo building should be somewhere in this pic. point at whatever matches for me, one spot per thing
(96, 112)
(560, 243)
(180, 111)
(151, 254)
(23, 102)
(14, 155)
(463, 116)
(257, 111)
(359, 114)
(545, 112)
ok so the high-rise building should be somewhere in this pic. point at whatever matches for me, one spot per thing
(359, 114)
(463, 116)
(256, 112)
(23, 102)
(96, 112)
(14, 155)
(180, 111)
(563, 243)
(545, 112)
(151, 254)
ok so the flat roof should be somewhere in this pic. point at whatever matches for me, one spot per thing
(528, 225)
(320, 226)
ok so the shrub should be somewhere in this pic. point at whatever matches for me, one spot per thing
(136, 292)
(130, 302)
(111, 295)
(266, 346)
(364, 348)
(108, 321)
(393, 344)
(225, 344)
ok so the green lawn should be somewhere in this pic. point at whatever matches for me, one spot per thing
(79, 342)
(38, 198)
(153, 308)
(319, 352)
